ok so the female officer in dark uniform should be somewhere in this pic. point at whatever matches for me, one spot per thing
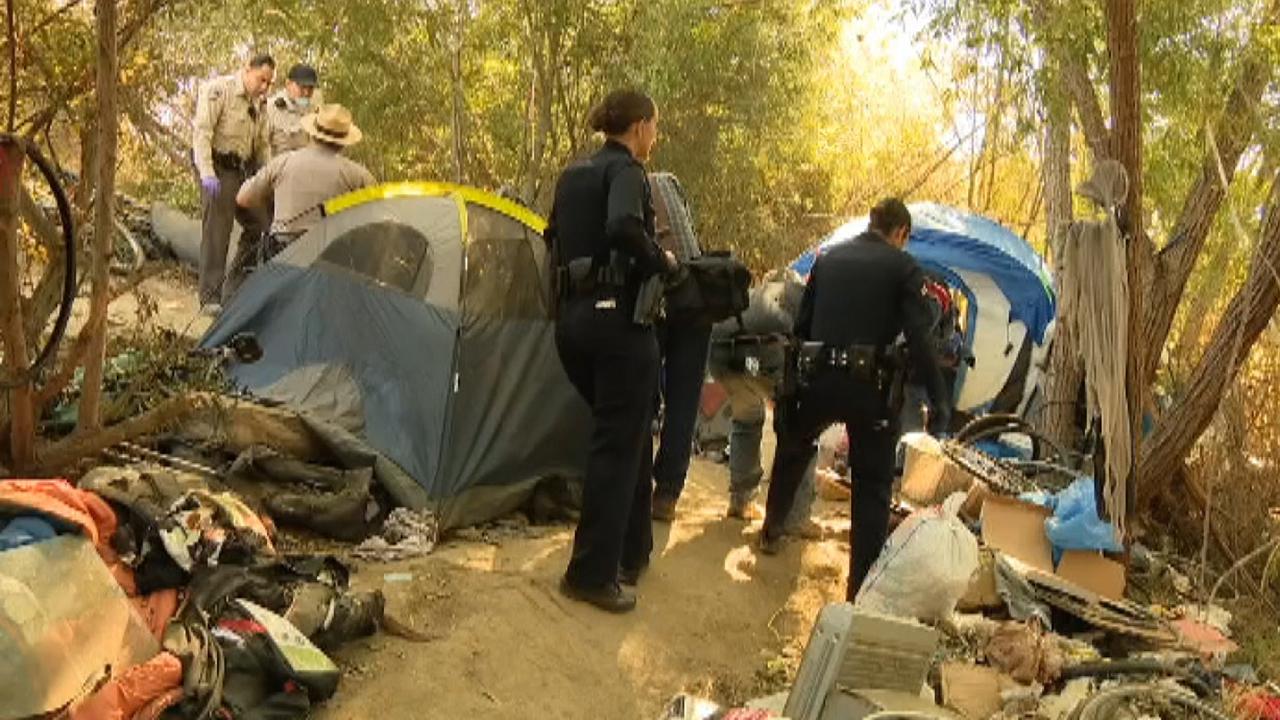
(601, 233)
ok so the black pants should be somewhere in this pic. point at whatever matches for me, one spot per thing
(684, 348)
(613, 363)
(834, 396)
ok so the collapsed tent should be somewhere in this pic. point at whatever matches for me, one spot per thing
(1006, 285)
(415, 317)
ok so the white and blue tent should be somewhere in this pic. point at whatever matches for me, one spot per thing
(1009, 297)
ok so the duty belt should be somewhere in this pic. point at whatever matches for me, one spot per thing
(230, 161)
(584, 276)
(864, 362)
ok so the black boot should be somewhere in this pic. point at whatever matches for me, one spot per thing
(631, 576)
(610, 598)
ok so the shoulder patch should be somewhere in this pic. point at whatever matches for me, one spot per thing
(281, 104)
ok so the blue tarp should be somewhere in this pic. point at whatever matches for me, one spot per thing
(944, 240)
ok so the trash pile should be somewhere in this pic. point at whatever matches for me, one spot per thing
(1001, 597)
(161, 587)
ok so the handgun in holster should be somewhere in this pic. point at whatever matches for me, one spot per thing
(786, 394)
(809, 360)
(649, 300)
(894, 379)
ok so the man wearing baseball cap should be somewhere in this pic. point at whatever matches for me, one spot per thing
(286, 108)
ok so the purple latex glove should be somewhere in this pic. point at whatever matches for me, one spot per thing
(210, 187)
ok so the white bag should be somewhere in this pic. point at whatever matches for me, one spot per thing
(924, 568)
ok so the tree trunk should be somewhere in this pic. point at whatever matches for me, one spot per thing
(1126, 146)
(1187, 348)
(1064, 373)
(1247, 316)
(1176, 262)
(459, 93)
(542, 34)
(103, 217)
(83, 195)
(13, 337)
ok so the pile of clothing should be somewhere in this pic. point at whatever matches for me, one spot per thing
(141, 593)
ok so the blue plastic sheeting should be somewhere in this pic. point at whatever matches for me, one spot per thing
(996, 448)
(945, 240)
(1075, 524)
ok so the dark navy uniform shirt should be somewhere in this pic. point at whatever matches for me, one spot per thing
(867, 292)
(604, 204)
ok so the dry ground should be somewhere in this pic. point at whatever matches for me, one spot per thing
(712, 619)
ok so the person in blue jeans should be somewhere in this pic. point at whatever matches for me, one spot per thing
(747, 359)
(683, 344)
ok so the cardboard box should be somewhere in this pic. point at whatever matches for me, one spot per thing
(983, 593)
(1016, 529)
(971, 510)
(858, 704)
(928, 475)
(973, 690)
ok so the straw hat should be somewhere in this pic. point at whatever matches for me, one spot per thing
(332, 124)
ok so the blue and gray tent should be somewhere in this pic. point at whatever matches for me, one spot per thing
(414, 321)
(1009, 303)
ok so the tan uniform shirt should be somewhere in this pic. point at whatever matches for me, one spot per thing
(284, 122)
(228, 121)
(300, 182)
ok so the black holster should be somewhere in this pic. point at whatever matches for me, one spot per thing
(786, 394)
(230, 162)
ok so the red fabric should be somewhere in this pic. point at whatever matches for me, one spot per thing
(62, 500)
(1256, 705)
(940, 293)
(138, 687)
(243, 627)
(153, 709)
(714, 396)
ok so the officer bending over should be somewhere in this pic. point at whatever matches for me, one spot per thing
(861, 295)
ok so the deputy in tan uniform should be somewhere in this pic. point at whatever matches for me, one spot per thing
(286, 108)
(229, 143)
(299, 182)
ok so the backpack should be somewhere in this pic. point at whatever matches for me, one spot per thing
(715, 287)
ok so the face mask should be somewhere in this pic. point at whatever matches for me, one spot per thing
(302, 102)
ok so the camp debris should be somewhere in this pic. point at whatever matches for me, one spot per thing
(182, 602)
(1050, 631)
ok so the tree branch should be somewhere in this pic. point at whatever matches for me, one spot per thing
(1088, 109)
(45, 21)
(74, 357)
(40, 119)
(1247, 315)
(13, 64)
(1176, 261)
(64, 453)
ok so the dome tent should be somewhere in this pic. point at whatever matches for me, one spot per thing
(415, 318)
(1010, 301)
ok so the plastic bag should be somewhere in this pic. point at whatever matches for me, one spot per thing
(65, 625)
(1075, 524)
(925, 567)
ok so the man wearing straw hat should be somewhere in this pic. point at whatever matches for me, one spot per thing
(300, 181)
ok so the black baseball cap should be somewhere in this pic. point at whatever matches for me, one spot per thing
(304, 75)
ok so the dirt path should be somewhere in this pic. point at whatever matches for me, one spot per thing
(711, 619)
